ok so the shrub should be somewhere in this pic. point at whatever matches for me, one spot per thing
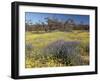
(28, 46)
(28, 49)
(84, 49)
(66, 52)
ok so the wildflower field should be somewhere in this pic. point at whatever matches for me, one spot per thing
(56, 48)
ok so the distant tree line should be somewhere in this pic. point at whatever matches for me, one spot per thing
(55, 24)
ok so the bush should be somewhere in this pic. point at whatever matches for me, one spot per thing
(28, 49)
(66, 52)
(84, 49)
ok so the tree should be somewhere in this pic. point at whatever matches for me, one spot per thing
(44, 27)
(69, 24)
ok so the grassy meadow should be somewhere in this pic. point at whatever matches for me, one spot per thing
(56, 48)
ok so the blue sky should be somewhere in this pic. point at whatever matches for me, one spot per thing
(36, 17)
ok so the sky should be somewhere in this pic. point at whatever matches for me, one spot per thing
(37, 17)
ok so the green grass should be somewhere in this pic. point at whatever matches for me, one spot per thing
(41, 40)
(34, 57)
